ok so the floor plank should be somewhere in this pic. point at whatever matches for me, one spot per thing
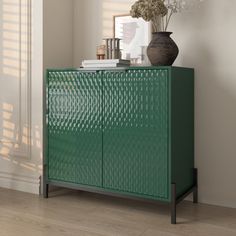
(72, 213)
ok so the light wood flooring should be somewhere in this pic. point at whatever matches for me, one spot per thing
(74, 213)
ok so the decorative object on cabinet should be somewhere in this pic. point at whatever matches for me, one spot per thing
(101, 52)
(113, 48)
(135, 34)
(124, 132)
(162, 51)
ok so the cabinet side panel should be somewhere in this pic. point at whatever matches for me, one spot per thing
(75, 127)
(182, 128)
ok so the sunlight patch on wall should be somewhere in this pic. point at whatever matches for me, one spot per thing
(5, 151)
(14, 74)
(7, 125)
(15, 93)
(7, 107)
(14, 36)
(25, 136)
(14, 64)
(8, 128)
(6, 115)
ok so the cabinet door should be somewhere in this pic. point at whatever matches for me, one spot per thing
(74, 127)
(135, 139)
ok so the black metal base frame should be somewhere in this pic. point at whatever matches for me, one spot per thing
(174, 199)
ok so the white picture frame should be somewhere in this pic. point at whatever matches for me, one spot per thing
(135, 35)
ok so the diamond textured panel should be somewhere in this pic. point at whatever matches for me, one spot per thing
(135, 138)
(74, 127)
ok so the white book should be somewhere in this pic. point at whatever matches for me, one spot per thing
(107, 61)
(105, 65)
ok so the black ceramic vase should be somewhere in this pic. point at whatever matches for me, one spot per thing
(162, 50)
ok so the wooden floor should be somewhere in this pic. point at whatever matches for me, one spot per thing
(75, 213)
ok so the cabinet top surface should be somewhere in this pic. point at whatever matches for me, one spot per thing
(120, 68)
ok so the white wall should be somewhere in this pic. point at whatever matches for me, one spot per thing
(93, 22)
(20, 162)
(52, 43)
(57, 33)
(36, 94)
(58, 16)
(206, 38)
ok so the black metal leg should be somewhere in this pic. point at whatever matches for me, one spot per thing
(173, 203)
(195, 192)
(45, 184)
(45, 190)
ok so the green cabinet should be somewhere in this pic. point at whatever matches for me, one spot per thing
(121, 131)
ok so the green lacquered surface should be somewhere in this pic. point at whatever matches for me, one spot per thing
(135, 138)
(128, 131)
(74, 127)
(182, 128)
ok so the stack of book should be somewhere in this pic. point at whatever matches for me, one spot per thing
(105, 63)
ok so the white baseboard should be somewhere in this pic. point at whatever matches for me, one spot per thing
(29, 184)
(213, 202)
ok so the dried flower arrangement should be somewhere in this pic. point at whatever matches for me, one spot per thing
(159, 12)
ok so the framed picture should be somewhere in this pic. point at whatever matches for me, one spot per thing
(135, 35)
